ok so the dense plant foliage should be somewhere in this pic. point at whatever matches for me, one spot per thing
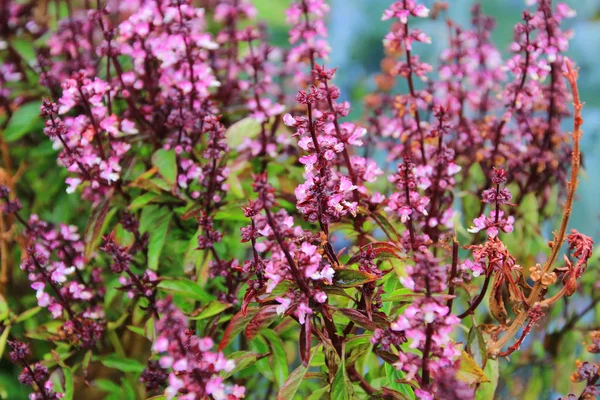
(190, 212)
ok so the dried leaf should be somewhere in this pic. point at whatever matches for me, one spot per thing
(469, 372)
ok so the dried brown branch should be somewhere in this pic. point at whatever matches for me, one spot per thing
(536, 295)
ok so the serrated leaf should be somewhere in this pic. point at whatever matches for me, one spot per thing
(136, 329)
(319, 394)
(380, 250)
(107, 386)
(25, 49)
(341, 386)
(155, 221)
(192, 258)
(86, 360)
(263, 318)
(393, 377)
(4, 311)
(142, 200)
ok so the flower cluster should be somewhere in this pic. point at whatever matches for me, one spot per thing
(194, 366)
(35, 375)
(218, 190)
(587, 372)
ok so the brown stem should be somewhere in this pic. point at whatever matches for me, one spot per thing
(295, 272)
(479, 298)
(538, 289)
(453, 271)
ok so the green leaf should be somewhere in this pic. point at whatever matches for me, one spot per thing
(486, 390)
(128, 391)
(394, 375)
(319, 394)
(107, 386)
(476, 346)
(278, 359)
(4, 311)
(242, 360)
(122, 364)
(213, 308)
(166, 163)
(155, 221)
(22, 121)
(69, 386)
(3, 339)
(86, 360)
(112, 325)
(245, 128)
(25, 49)
(186, 288)
(25, 315)
(292, 384)
(141, 201)
(137, 329)
(347, 278)
(341, 386)
(192, 258)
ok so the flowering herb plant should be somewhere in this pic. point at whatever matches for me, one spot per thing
(190, 212)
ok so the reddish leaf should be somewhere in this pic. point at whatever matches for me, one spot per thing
(93, 229)
(304, 342)
(388, 357)
(247, 299)
(263, 318)
(236, 325)
(380, 249)
(192, 212)
(358, 318)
